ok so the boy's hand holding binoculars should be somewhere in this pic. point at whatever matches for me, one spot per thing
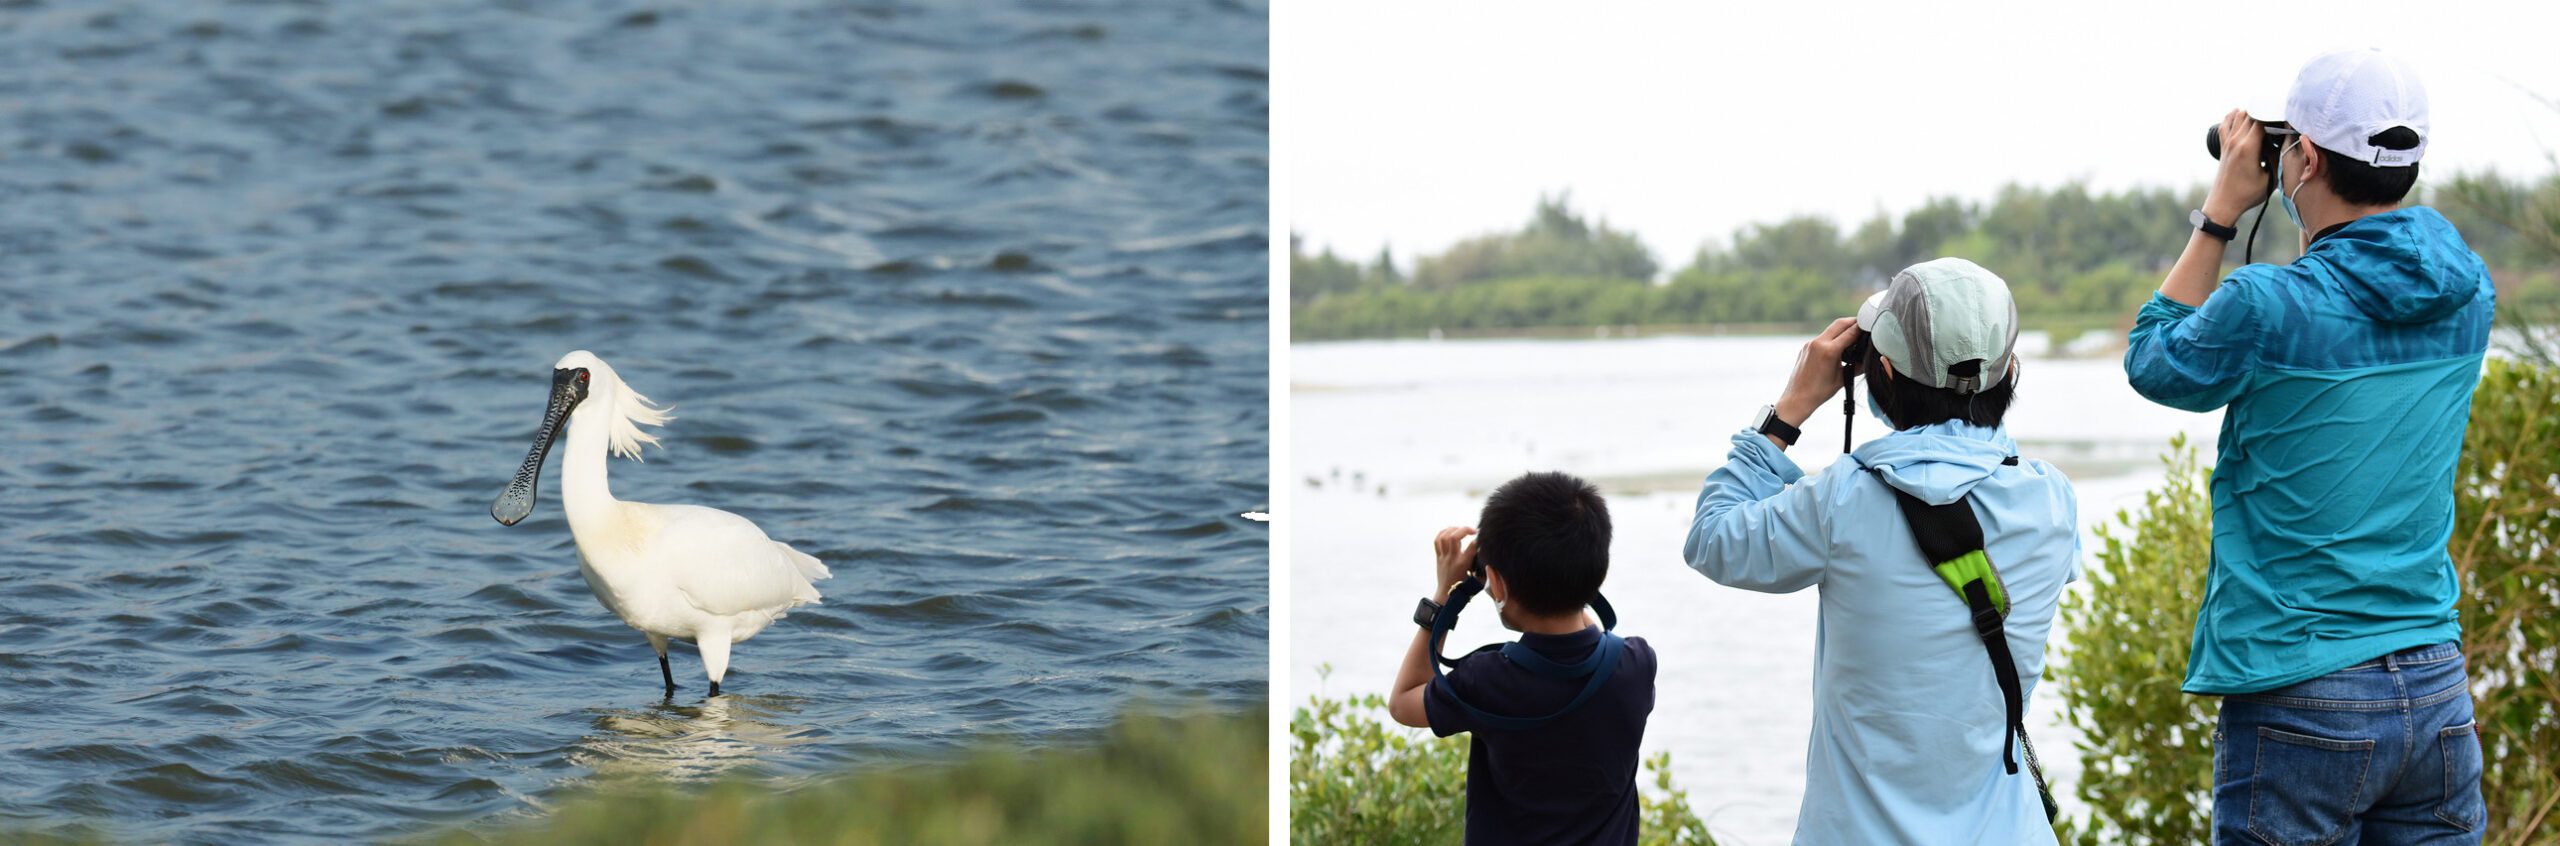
(1455, 559)
(1817, 375)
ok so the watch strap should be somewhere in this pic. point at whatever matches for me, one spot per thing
(1772, 426)
(2204, 223)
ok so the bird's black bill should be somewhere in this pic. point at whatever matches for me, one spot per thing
(567, 390)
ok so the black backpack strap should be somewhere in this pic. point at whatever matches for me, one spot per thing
(1950, 540)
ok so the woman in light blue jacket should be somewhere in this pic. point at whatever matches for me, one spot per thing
(1913, 738)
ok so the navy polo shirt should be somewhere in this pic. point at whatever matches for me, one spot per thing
(1569, 781)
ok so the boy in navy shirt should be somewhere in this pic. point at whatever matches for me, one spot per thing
(1552, 757)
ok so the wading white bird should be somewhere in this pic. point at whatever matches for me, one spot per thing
(671, 571)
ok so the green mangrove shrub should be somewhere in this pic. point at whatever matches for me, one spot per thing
(1354, 778)
(2146, 749)
(2506, 543)
(2146, 752)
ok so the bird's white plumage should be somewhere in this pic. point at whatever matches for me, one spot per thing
(671, 571)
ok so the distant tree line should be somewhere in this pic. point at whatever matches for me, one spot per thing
(2071, 257)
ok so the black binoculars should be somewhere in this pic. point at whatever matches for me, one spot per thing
(2270, 146)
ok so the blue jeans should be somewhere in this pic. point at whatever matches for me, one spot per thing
(2383, 752)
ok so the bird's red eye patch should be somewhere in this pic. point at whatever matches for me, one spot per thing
(582, 375)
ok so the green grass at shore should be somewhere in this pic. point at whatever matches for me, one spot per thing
(1151, 779)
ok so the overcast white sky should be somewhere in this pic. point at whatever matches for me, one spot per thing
(1419, 122)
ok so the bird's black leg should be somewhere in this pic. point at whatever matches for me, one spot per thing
(669, 675)
(715, 688)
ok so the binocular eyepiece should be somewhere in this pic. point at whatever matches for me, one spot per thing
(1854, 356)
(2270, 146)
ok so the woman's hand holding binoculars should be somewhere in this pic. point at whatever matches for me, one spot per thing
(1818, 372)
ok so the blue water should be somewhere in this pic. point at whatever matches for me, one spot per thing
(967, 300)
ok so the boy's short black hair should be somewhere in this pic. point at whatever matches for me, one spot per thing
(2363, 184)
(1910, 403)
(1548, 534)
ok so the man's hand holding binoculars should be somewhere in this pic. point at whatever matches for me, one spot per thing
(2239, 183)
(2246, 175)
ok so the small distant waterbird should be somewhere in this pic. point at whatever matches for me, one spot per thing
(671, 571)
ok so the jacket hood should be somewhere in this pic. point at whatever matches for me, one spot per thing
(1940, 462)
(2402, 266)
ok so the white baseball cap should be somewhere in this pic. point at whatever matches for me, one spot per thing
(1945, 322)
(2341, 100)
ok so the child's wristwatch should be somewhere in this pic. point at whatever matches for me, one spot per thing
(1426, 612)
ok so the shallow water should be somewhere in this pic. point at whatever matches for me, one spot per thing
(1393, 440)
(968, 302)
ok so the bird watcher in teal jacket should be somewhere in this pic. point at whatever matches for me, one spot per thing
(2345, 381)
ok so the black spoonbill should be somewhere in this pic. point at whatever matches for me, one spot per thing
(668, 570)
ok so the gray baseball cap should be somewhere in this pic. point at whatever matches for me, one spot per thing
(1945, 322)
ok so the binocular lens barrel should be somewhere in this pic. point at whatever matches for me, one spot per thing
(2268, 151)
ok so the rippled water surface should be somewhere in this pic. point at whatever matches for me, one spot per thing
(967, 300)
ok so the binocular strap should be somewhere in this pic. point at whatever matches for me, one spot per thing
(1596, 669)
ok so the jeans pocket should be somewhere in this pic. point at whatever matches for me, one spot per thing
(2462, 806)
(2304, 790)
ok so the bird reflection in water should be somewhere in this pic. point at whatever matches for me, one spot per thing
(669, 740)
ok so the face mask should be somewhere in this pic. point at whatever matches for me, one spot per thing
(1878, 411)
(2289, 210)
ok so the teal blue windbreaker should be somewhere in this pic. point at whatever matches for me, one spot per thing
(2346, 380)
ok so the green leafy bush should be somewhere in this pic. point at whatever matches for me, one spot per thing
(2506, 542)
(2146, 751)
(1354, 778)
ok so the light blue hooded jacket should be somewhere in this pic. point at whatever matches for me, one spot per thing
(2347, 375)
(1907, 720)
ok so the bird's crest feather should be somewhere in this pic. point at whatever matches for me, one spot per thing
(630, 412)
